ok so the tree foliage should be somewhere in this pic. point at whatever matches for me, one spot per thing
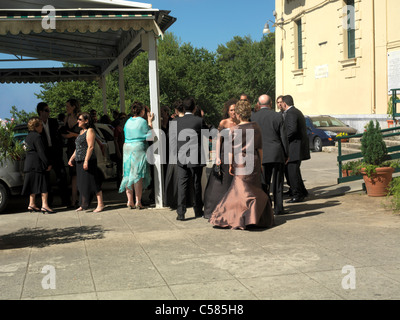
(242, 65)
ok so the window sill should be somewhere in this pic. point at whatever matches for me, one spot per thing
(349, 63)
(298, 72)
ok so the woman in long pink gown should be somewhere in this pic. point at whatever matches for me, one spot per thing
(245, 204)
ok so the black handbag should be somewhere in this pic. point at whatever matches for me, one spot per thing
(216, 169)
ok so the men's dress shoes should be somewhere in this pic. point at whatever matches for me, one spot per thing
(281, 213)
(180, 217)
(288, 194)
(199, 215)
(295, 200)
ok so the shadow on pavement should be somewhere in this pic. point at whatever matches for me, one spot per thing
(40, 238)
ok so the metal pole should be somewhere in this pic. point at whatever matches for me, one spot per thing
(155, 108)
(121, 84)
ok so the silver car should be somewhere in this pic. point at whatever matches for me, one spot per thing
(11, 181)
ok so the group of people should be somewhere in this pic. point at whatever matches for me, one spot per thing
(44, 152)
(255, 151)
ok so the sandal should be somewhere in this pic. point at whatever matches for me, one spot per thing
(33, 209)
(139, 206)
(98, 209)
(44, 211)
(129, 206)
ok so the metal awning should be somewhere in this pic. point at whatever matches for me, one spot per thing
(87, 32)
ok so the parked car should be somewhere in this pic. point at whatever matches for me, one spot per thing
(332, 126)
(318, 138)
(11, 174)
(11, 181)
(322, 131)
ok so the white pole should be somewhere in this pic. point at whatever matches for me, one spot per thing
(155, 108)
(121, 84)
(104, 91)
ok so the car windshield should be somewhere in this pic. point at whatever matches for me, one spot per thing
(323, 122)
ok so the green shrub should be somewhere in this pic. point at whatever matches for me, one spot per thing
(394, 194)
(373, 148)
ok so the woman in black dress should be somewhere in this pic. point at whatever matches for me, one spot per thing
(88, 180)
(70, 131)
(35, 167)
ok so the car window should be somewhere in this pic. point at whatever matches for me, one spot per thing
(20, 137)
(337, 123)
(321, 122)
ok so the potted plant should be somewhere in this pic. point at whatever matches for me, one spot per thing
(10, 150)
(341, 135)
(393, 195)
(377, 171)
(351, 168)
(391, 122)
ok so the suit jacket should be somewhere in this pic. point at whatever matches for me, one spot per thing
(56, 149)
(187, 138)
(299, 148)
(274, 138)
(36, 159)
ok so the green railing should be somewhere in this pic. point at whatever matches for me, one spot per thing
(393, 152)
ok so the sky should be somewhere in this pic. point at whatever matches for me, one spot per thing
(203, 23)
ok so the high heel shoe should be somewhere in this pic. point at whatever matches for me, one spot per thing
(44, 210)
(33, 209)
(129, 206)
(139, 206)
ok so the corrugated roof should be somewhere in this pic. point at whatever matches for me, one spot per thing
(86, 36)
(69, 4)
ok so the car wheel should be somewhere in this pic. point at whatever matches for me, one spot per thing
(3, 197)
(317, 144)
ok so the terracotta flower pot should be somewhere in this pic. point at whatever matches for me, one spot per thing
(346, 173)
(378, 183)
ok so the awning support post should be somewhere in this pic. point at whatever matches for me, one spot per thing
(103, 85)
(121, 84)
(155, 108)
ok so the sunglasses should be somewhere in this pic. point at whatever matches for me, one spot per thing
(79, 119)
(46, 110)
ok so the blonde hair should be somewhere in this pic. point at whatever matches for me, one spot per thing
(243, 110)
(33, 123)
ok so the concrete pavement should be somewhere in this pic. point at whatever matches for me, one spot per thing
(339, 244)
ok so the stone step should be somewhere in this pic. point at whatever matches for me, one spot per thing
(351, 145)
(356, 143)
(346, 151)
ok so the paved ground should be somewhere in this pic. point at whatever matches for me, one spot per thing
(340, 244)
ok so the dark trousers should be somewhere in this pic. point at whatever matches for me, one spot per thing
(184, 174)
(55, 157)
(273, 174)
(296, 180)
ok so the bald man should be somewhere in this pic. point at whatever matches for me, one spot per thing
(275, 150)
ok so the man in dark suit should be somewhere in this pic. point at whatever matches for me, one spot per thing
(54, 149)
(299, 149)
(275, 149)
(191, 159)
